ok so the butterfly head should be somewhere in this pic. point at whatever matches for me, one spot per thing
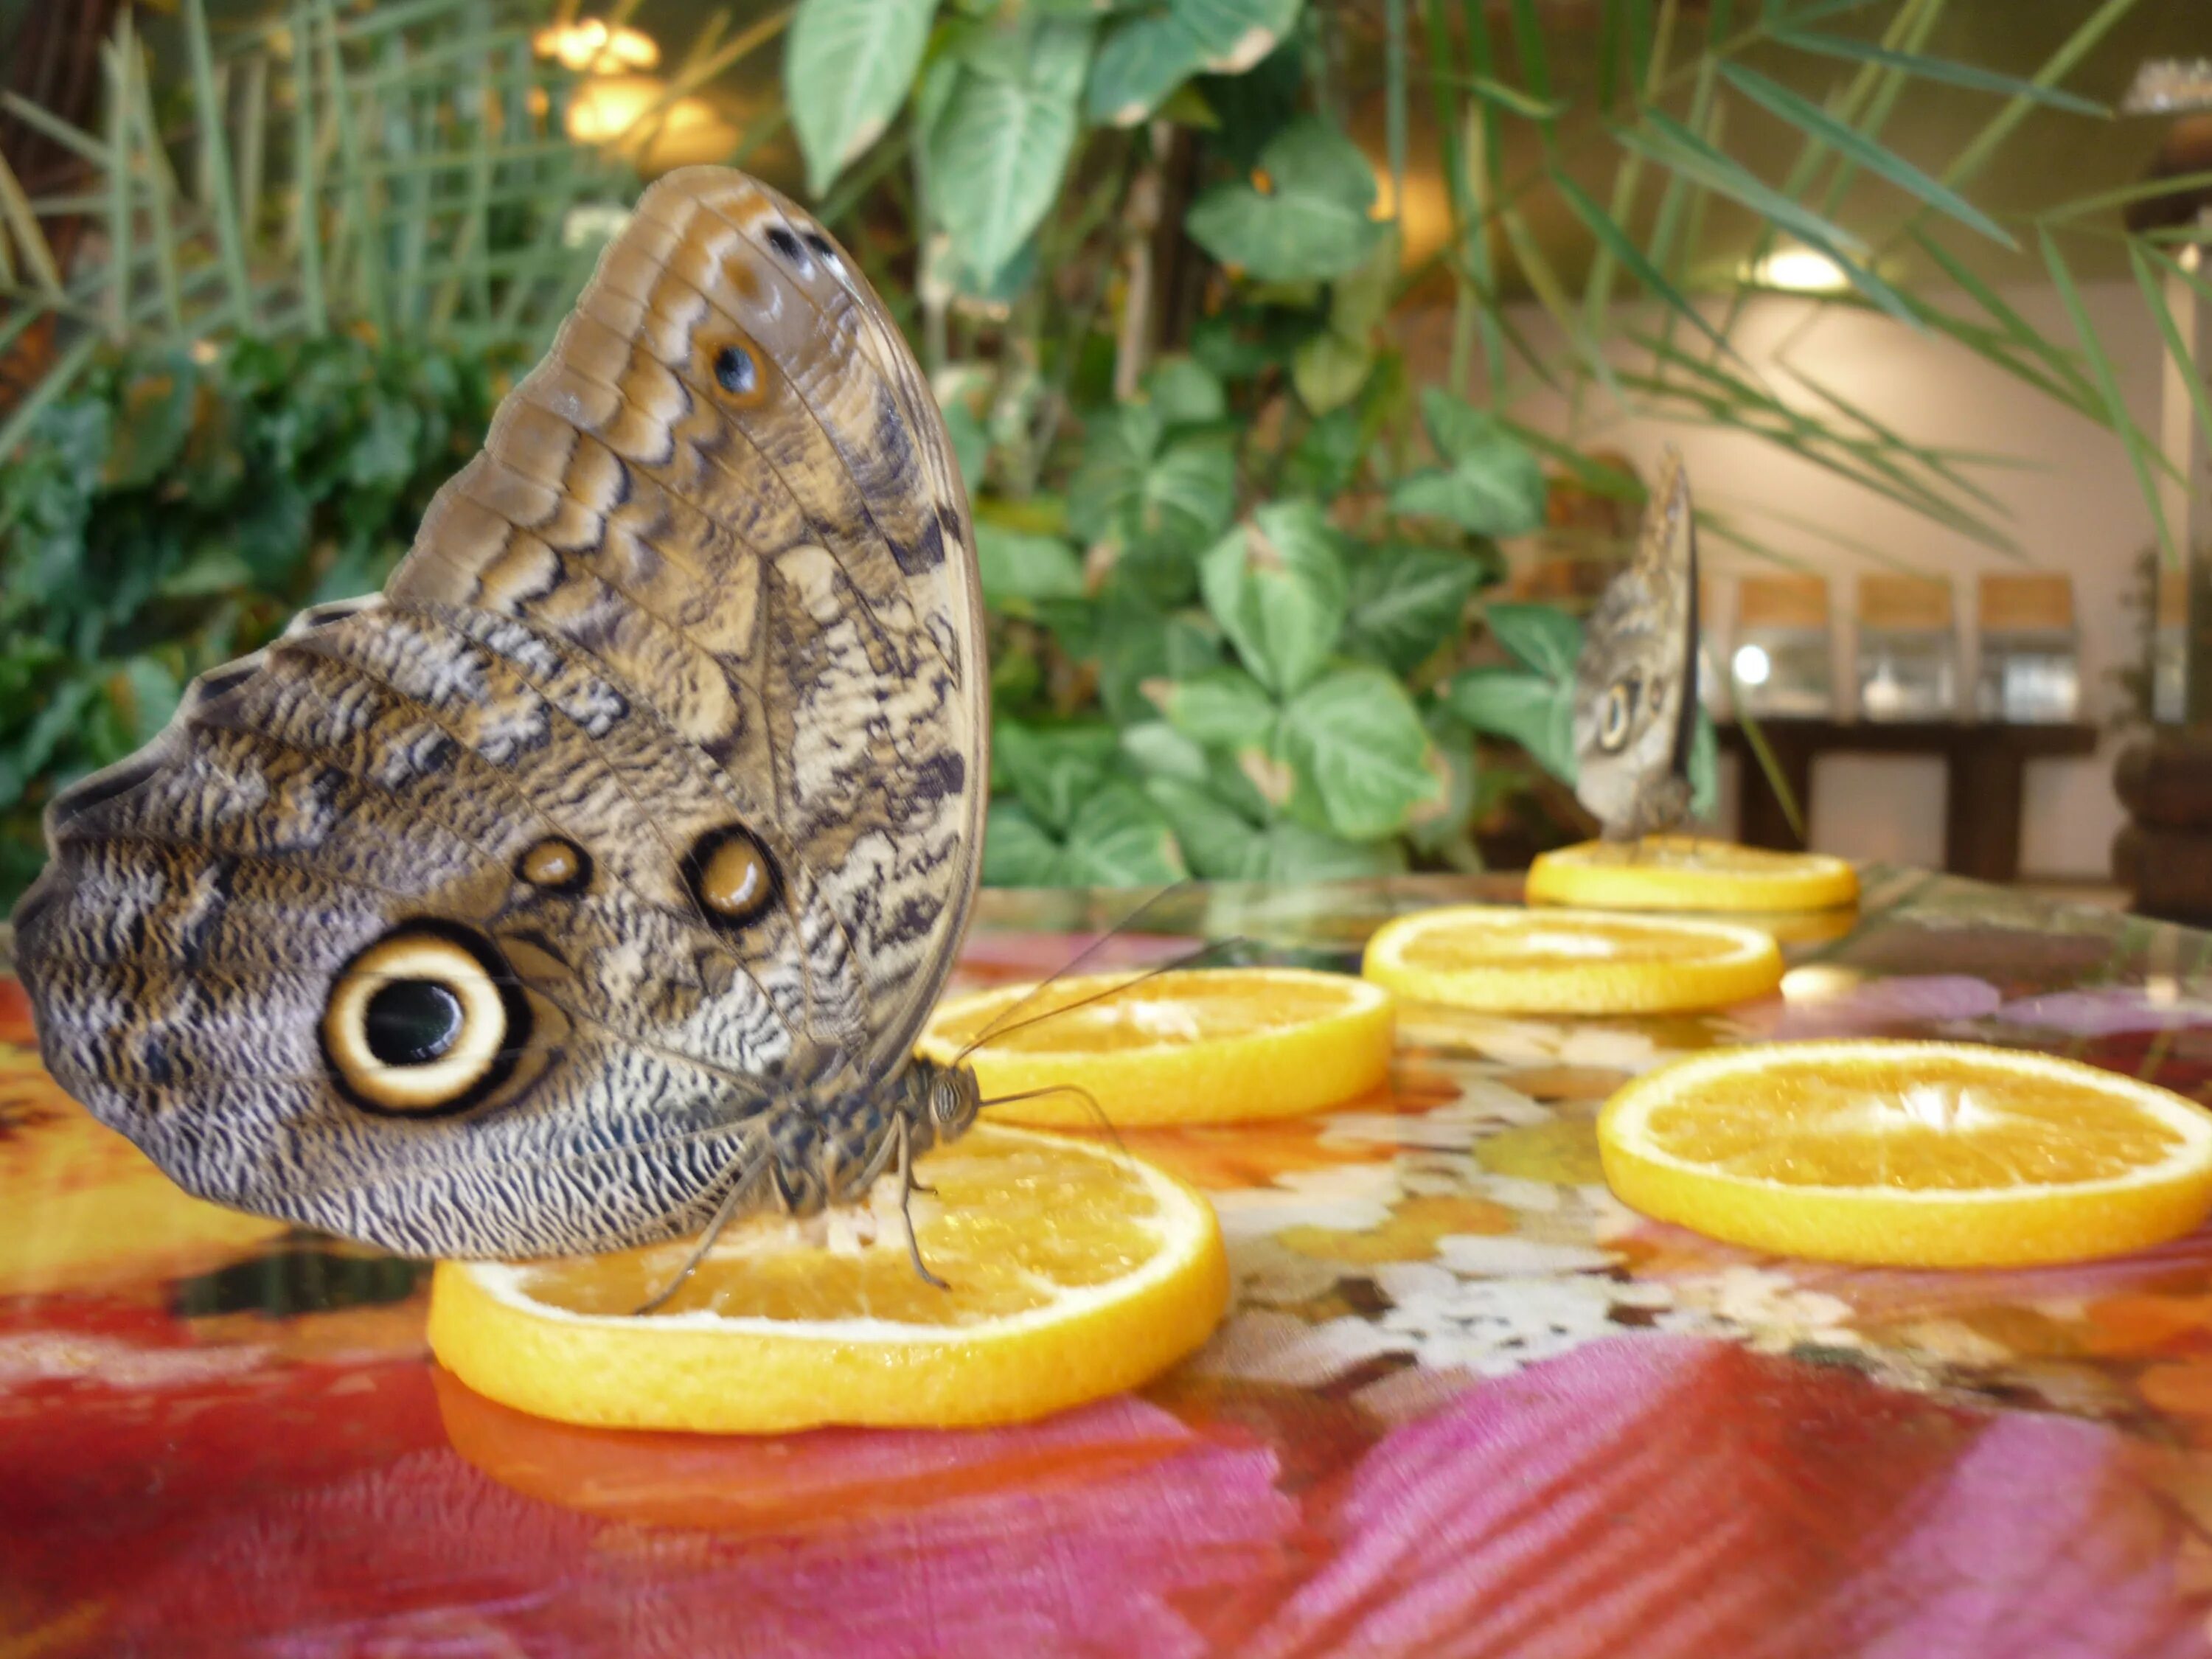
(943, 1099)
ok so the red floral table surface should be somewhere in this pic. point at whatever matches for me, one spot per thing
(1464, 1404)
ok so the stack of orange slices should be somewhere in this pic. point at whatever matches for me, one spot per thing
(1681, 872)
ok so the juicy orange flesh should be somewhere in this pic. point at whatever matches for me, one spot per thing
(1538, 942)
(1009, 1228)
(1185, 1008)
(1922, 1124)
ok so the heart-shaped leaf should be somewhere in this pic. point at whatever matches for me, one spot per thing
(1364, 762)
(846, 69)
(1543, 636)
(1151, 53)
(1136, 483)
(1019, 569)
(1276, 585)
(1310, 222)
(1018, 851)
(1120, 838)
(1053, 771)
(999, 147)
(1405, 602)
(1536, 713)
(1223, 708)
(1491, 483)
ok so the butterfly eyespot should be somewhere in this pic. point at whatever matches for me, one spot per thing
(1613, 721)
(425, 1021)
(786, 244)
(732, 876)
(556, 865)
(736, 371)
(820, 244)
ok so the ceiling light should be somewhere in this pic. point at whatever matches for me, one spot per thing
(1799, 270)
(591, 46)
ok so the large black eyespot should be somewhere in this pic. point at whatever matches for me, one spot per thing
(411, 1022)
(426, 1021)
(785, 244)
(736, 371)
(732, 876)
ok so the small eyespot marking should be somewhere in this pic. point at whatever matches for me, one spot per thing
(1617, 716)
(556, 865)
(425, 1021)
(820, 244)
(735, 371)
(786, 244)
(732, 876)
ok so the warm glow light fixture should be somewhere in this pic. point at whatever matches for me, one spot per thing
(1752, 665)
(590, 46)
(1799, 270)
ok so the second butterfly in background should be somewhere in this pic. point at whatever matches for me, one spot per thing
(1636, 714)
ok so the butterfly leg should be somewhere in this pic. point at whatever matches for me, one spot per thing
(725, 1213)
(907, 1188)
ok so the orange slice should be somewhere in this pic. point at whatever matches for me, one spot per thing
(1075, 1272)
(1212, 1045)
(1680, 872)
(1913, 1154)
(1502, 960)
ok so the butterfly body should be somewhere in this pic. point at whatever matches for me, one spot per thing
(1636, 681)
(614, 854)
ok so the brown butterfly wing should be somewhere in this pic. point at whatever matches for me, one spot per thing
(660, 763)
(1636, 680)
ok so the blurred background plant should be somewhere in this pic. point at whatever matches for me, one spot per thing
(1235, 308)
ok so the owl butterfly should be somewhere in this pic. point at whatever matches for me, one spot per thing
(1636, 682)
(594, 878)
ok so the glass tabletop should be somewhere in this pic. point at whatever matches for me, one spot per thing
(1464, 1403)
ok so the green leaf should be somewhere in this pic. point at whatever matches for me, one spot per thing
(1276, 585)
(1161, 752)
(1329, 369)
(1543, 636)
(1310, 224)
(1491, 483)
(999, 148)
(1705, 766)
(1404, 602)
(1019, 569)
(1623, 248)
(1120, 838)
(1363, 761)
(1847, 141)
(2106, 377)
(1970, 75)
(1135, 484)
(1018, 851)
(151, 426)
(1534, 712)
(1053, 770)
(1221, 708)
(1183, 393)
(1150, 54)
(846, 67)
(1221, 844)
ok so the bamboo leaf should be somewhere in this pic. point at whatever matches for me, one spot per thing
(120, 146)
(308, 213)
(2056, 67)
(1947, 70)
(2108, 387)
(214, 150)
(1616, 244)
(1815, 122)
(15, 208)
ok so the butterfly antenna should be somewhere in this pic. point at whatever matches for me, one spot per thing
(1088, 1098)
(999, 1027)
(725, 1213)
(1083, 955)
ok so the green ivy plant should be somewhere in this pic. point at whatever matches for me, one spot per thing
(166, 513)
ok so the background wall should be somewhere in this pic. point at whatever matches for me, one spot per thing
(2074, 507)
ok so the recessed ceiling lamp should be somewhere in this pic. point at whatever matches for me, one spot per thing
(1799, 270)
(589, 45)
